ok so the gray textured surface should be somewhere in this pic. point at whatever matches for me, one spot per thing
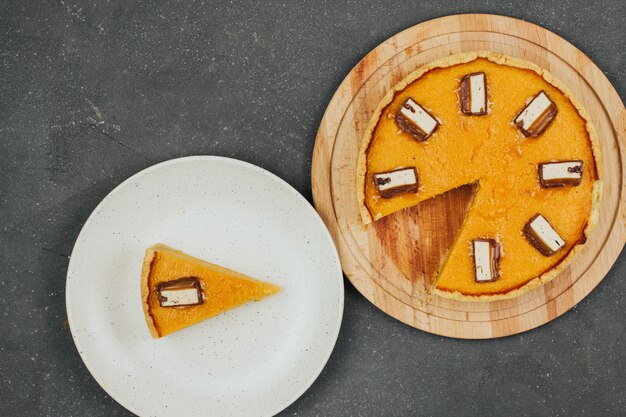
(92, 92)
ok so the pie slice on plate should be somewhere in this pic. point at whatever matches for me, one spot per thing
(178, 290)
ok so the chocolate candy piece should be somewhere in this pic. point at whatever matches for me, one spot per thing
(536, 116)
(399, 181)
(181, 292)
(473, 94)
(560, 173)
(415, 120)
(486, 257)
(542, 235)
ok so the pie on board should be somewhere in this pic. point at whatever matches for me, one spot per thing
(514, 130)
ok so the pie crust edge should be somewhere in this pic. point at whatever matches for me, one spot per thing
(145, 290)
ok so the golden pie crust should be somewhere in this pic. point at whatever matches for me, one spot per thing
(222, 289)
(491, 151)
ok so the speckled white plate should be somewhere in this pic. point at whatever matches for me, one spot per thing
(254, 360)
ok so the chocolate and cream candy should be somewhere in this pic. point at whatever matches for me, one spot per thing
(486, 256)
(543, 236)
(536, 116)
(561, 173)
(399, 181)
(181, 292)
(473, 94)
(414, 119)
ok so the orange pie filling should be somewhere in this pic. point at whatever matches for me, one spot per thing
(494, 124)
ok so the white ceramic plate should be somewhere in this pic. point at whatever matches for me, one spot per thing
(254, 360)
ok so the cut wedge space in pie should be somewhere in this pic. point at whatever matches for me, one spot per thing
(516, 132)
(178, 290)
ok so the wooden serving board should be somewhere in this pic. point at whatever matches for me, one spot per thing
(392, 261)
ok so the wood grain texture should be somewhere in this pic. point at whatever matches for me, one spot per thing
(383, 260)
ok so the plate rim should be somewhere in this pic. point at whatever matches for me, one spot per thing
(246, 165)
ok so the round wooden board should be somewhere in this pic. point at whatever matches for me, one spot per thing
(391, 262)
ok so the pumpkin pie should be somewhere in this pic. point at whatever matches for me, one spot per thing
(514, 130)
(178, 290)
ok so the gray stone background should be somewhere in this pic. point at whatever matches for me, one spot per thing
(92, 92)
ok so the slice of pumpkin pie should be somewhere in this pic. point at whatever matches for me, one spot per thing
(178, 290)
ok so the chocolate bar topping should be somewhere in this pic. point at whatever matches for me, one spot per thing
(543, 236)
(560, 173)
(399, 181)
(415, 120)
(473, 94)
(536, 116)
(181, 292)
(486, 254)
